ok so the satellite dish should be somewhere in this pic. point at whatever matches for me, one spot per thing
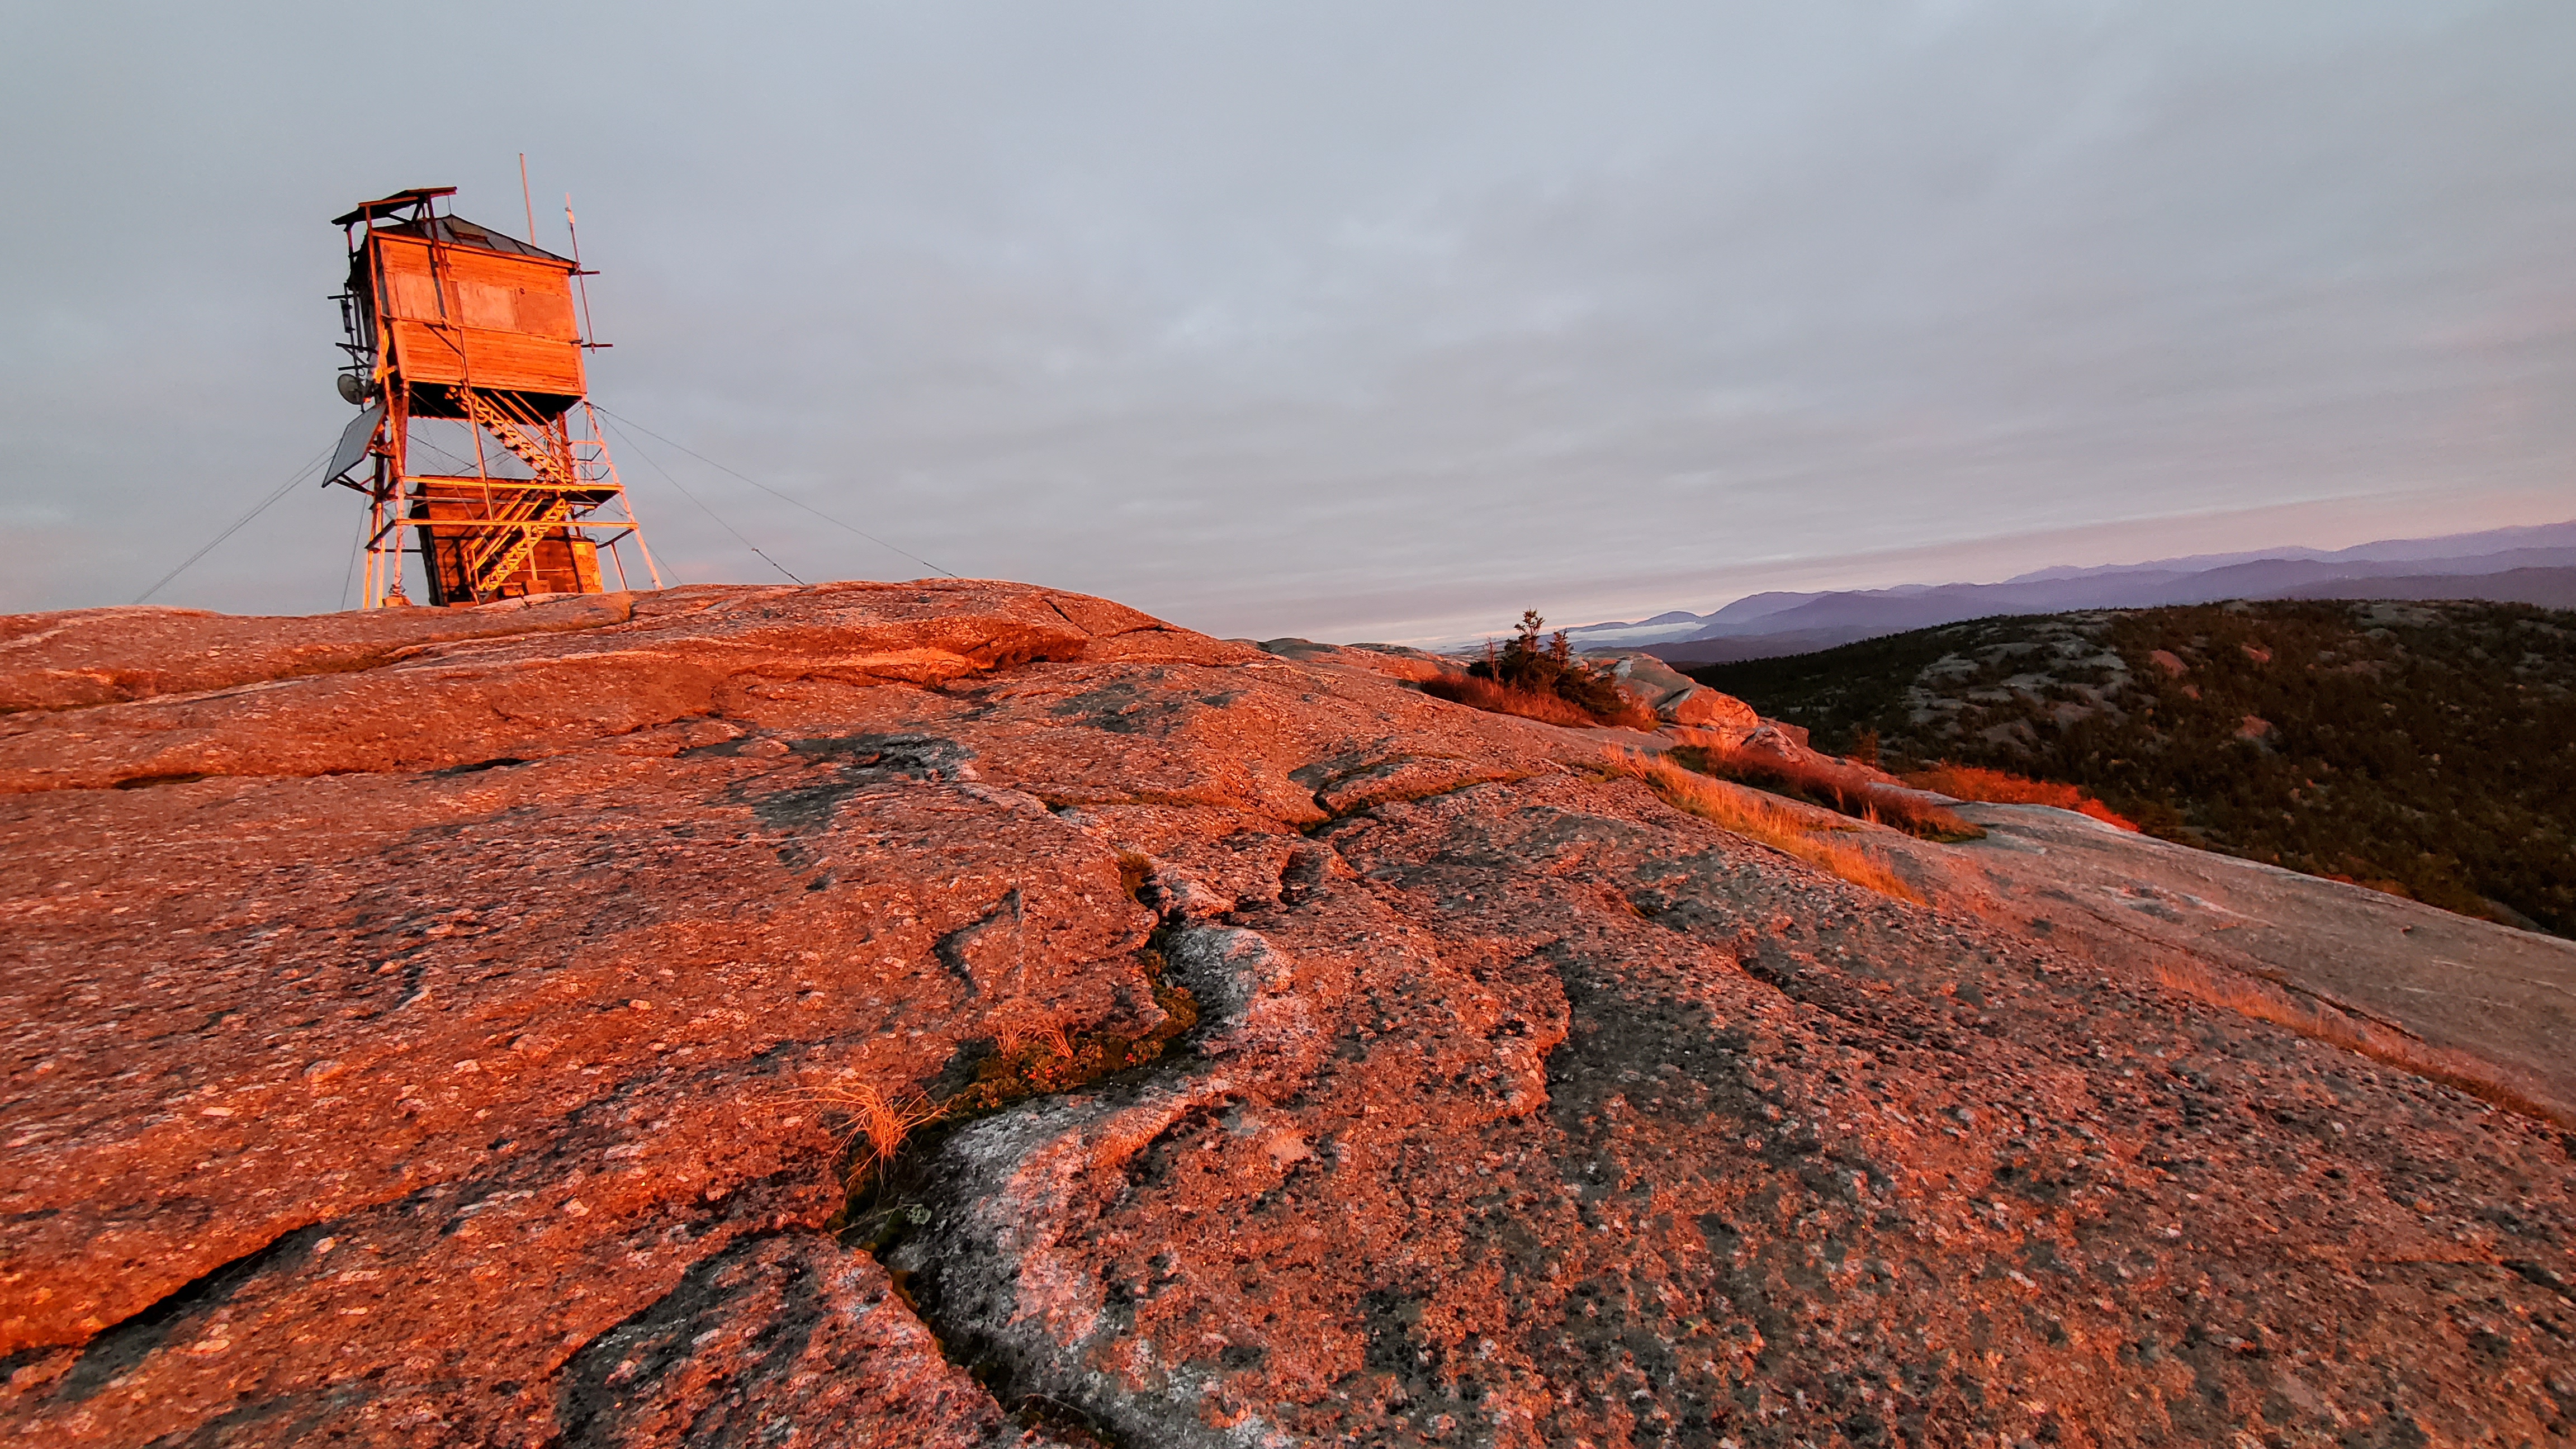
(353, 389)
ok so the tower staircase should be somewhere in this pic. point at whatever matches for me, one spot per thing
(527, 512)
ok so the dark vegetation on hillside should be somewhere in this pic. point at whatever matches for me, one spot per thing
(2423, 748)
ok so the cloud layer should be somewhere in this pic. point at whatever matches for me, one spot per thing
(1346, 320)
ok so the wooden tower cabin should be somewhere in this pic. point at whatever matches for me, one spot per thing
(476, 445)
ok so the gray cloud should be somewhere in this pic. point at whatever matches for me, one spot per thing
(1341, 319)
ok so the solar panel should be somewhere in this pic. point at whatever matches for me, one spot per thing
(353, 443)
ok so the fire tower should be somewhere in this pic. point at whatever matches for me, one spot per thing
(472, 332)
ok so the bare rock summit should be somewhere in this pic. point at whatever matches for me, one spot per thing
(458, 1027)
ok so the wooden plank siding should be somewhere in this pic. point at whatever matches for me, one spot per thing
(562, 562)
(511, 361)
(500, 322)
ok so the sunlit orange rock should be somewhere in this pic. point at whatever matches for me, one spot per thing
(439, 1028)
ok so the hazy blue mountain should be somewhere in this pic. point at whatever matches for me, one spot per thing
(2550, 588)
(2508, 565)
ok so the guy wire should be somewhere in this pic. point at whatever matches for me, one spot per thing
(774, 493)
(261, 507)
(674, 481)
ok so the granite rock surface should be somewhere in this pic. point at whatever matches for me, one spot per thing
(442, 1027)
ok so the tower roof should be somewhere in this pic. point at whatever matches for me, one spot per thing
(387, 205)
(457, 231)
(426, 223)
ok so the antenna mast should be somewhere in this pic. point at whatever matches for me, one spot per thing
(590, 334)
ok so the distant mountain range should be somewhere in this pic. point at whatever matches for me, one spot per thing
(2533, 565)
(2412, 746)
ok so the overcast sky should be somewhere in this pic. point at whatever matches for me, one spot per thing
(1366, 320)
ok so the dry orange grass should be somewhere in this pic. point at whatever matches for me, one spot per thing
(2512, 1090)
(1847, 788)
(1494, 698)
(1779, 826)
(1035, 1031)
(1971, 782)
(880, 1120)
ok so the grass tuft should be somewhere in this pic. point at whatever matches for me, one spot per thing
(1034, 1054)
(1553, 709)
(879, 1119)
(1998, 787)
(1829, 783)
(1034, 1034)
(1760, 820)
